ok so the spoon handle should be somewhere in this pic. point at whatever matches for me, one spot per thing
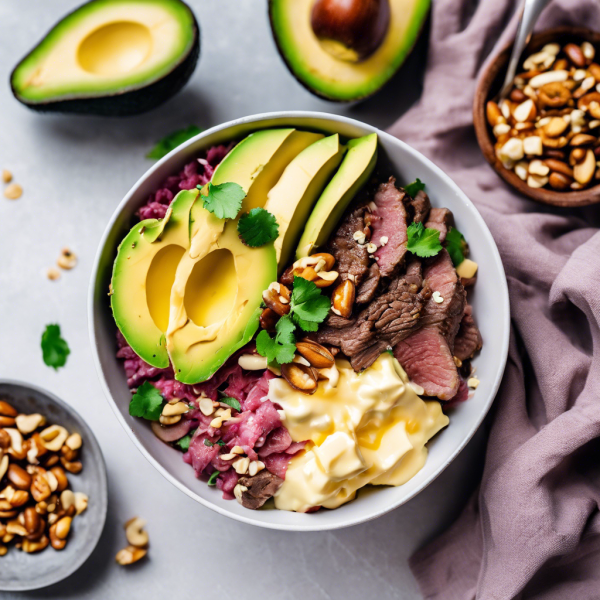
(530, 12)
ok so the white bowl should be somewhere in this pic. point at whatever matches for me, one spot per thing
(489, 299)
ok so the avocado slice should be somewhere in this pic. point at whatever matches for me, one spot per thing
(256, 164)
(293, 197)
(143, 274)
(355, 170)
(215, 304)
(326, 71)
(111, 57)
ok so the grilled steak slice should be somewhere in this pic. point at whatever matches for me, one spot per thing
(388, 220)
(468, 340)
(366, 292)
(351, 258)
(426, 358)
(418, 207)
(426, 355)
(381, 325)
(441, 219)
(261, 487)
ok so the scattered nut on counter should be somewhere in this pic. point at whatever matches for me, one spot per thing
(67, 259)
(138, 540)
(547, 130)
(13, 191)
(37, 506)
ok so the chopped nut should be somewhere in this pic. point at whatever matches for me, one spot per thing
(522, 170)
(241, 465)
(135, 533)
(74, 441)
(238, 490)
(53, 274)
(537, 167)
(206, 406)
(512, 150)
(6, 176)
(130, 555)
(437, 297)
(252, 362)
(537, 181)
(473, 382)
(532, 145)
(81, 502)
(13, 191)
(67, 259)
(371, 248)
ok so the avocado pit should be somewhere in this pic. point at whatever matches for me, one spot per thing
(350, 30)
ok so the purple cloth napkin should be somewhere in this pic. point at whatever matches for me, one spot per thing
(532, 530)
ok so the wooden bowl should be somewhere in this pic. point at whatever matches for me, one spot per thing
(488, 88)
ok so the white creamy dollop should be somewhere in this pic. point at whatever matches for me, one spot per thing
(364, 428)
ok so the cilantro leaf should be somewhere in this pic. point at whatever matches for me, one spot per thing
(147, 402)
(235, 404)
(184, 442)
(54, 348)
(212, 480)
(423, 242)
(208, 443)
(456, 246)
(283, 347)
(308, 306)
(224, 200)
(220, 443)
(412, 188)
(258, 227)
(171, 141)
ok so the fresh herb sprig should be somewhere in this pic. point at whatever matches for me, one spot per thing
(55, 349)
(171, 141)
(258, 227)
(147, 402)
(223, 200)
(456, 245)
(423, 242)
(308, 308)
(413, 188)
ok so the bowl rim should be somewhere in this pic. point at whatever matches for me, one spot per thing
(494, 69)
(89, 440)
(290, 115)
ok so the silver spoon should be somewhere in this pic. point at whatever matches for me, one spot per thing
(530, 12)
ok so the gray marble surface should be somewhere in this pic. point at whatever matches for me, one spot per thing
(74, 171)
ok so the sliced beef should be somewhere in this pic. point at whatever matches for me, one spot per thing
(381, 325)
(426, 355)
(388, 223)
(426, 358)
(350, 257)
(367, 289)
(260, 488)
(418, 207)
(468, 339)
(441, 219)
(445, 316)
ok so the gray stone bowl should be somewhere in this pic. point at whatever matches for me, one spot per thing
(20, 571)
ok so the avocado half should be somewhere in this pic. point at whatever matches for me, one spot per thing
(330, 76)
(111, 57)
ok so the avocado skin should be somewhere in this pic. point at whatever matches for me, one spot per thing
(319, 93)
(133, 102)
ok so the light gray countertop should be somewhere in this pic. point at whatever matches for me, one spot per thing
(74, 171)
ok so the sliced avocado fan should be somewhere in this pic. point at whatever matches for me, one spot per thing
(111, 57)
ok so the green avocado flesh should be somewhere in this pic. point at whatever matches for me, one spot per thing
(143, 274)
(112, 57)
(186, 291)
(294, 195)
(330, 76)
(355, 170)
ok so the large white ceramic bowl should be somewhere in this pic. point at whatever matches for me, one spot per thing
(490, 302)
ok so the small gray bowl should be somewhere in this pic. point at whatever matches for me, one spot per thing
(20, 571)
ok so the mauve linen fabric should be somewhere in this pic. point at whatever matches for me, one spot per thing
(532, 530)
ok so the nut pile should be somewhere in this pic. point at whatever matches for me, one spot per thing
(12, 191)
(37, 505)
(547, 131)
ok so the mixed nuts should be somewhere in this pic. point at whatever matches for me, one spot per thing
(37, 506)
(547, 130)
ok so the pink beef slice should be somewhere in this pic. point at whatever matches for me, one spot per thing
(279, 440)
(199, 455)
(441, 219)
(388, 220)
(468, 339)
(426, 355)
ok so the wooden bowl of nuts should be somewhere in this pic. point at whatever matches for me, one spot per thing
(53, 491)
(544, 139)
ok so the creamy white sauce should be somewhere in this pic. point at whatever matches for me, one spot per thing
(367, 428)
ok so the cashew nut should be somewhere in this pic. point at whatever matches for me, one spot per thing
(29, 423)
(81, 502)
(135, 533)
(54, 437)
(130, 555)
